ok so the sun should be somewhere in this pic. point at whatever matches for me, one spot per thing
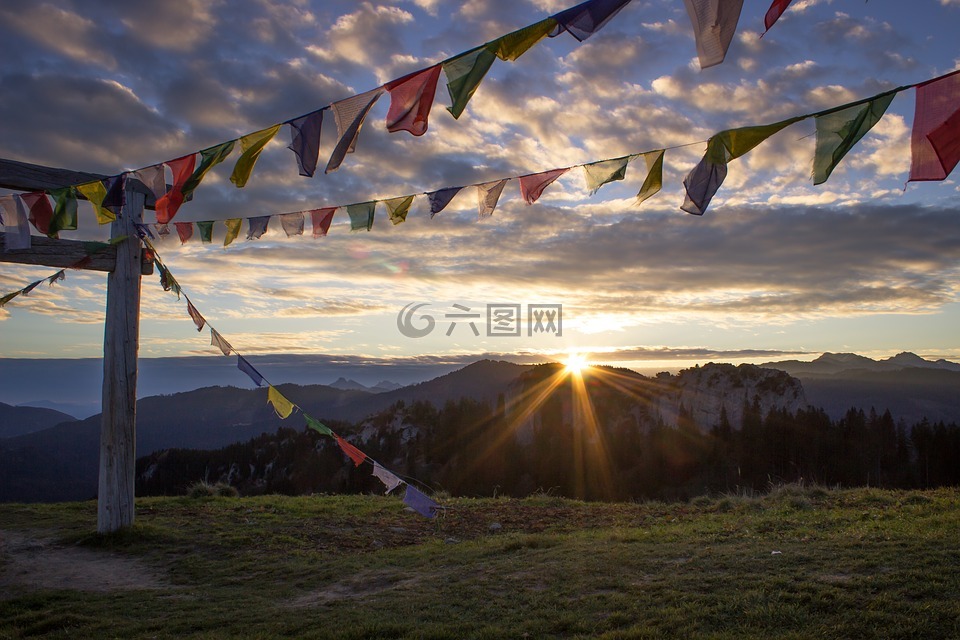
(575, 363)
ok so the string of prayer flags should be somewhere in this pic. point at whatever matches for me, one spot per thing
(585, 19)
(361, 215)
(292, 223)
(488, 194)
(515, 44)
(411, 98)
(95, 193)
(654, 180)
(420, 503)
(257, 226)
(440, 199)
(209, 158)
(318, 426)
(169, 204)
(206, 231)
(15, 224)
(389, 480)
(600, 173)
(41, 213)
(50, 280)
(251, 145)
(233, 230)
(349, 115)
(321, 219)
(714, 25)
(218, 341)
(464, 74)
(184, 230)
(281, 405)
(195, 316)
(305, 141)
(398, 208)
(355, 454)
(248, 369)
(773, 14)
(935, 141)
(532, 186)
(838, 131)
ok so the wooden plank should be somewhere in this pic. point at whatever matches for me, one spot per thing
(64, 253)
(118, 425)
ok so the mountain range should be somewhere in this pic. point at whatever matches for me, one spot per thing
(837, 363)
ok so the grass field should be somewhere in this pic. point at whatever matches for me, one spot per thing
(799, 562)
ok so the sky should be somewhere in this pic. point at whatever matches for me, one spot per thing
(776, 269)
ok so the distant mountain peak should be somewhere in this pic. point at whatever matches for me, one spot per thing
(907, 358)
(348, 385)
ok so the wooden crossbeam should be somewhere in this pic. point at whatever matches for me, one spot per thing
(66, 253)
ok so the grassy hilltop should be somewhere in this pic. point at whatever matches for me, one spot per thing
(799, 562)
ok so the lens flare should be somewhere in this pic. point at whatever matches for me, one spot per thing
(575, 363)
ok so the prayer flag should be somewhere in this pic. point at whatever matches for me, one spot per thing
(389, 480)
(95, 193)
(168, 205)
(398, 208)
(361, 215)
(10, 296)
(116, 193)
(16, 225)
(281, 405)
(349, 115)
(209, 158)
(41, 213)
(714, 25)
(216, 340)
(184, 230)
(420, 503)
(59, 275)
(411, 98)
(654, 180)
(318, 426)
(774, 12)
(248, 369)
(305, 141)
(936, 129)
(321, 219)
(440, 199)
(163, 230)
(488, 194)
(206, 231)
(585, 19)
(233, 230)
(464, 74)
(64, 212)
(515, 44)
(600, 173)
(838, 132)
(30, 287)
(355, 454)
(532, 186)
(257, 226)
(292, 223)
(195, 316)
(153, 179)
(251, 144)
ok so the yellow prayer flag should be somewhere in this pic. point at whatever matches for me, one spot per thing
(252, 144)
(281, 405)
(95, 192)
(233, 230)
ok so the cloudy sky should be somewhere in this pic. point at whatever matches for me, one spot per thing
(776, 268)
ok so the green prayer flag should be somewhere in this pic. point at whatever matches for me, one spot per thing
(736, 142)
(398, 208)
(513, 45)
(7, 298)
(64, 211)
(464, 74)
(654, 180)
(209, 158)
(206, 231)
(361, 215)
(839, 131)
(252, 144)
(600, 173)
(95, 192)
(318, 426)
(233, 230)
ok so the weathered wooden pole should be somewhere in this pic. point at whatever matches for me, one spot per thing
(118, 426)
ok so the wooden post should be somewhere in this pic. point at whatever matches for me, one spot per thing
(118, 426)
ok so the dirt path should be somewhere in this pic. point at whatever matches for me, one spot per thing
(29, 562)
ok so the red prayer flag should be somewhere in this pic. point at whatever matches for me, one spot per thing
(321, 219)
(936, 129)
(184, 230)
(411, 98)
(195, 316)
(774, 12)
(355, 454)
(168, 205)
(532, 186)
(41, 213)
